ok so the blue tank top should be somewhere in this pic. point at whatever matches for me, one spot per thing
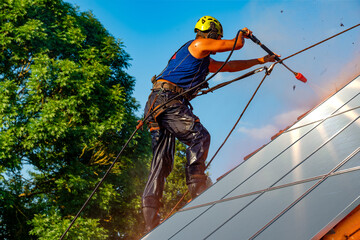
(185, 70)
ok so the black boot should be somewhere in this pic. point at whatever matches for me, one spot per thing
(196, 189)
(152, 218)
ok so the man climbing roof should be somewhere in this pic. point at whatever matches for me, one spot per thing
(187, 68)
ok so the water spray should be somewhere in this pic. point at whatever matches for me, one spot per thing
(298, 75)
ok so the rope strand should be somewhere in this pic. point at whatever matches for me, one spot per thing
(305, 49)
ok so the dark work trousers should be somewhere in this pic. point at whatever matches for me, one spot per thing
(176, 121)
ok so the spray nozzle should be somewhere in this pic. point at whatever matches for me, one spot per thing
(298, 76)
(301, 77)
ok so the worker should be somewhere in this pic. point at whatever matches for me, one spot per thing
(188, 67)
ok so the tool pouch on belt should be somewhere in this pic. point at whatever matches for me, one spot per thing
(165, 85)
(162, 91)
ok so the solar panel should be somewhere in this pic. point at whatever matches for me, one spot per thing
(297, 187)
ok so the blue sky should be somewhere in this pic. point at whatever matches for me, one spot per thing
(153, 30)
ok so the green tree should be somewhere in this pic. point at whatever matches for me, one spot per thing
(66, 109)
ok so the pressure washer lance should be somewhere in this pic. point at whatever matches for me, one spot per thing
(298, 76)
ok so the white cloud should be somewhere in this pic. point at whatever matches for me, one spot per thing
(288, 118)
(262, 133)
(277, 124)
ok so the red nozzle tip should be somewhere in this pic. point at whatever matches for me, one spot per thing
(301, 77)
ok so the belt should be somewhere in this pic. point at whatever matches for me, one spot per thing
(167, 85)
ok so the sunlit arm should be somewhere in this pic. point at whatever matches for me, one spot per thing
(239, 65)
(202, 47)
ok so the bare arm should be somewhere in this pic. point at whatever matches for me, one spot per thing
(239, 65)
(202, 47)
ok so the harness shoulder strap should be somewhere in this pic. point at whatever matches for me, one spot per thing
(153, 79)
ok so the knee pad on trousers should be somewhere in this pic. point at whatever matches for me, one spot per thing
(195, 178)
(151, 202)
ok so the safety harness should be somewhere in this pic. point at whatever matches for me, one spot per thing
(161, 86)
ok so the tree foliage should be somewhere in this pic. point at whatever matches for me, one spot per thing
(65, 111)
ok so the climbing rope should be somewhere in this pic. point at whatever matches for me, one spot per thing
(327, 39)
(268, 72)
(231, 81)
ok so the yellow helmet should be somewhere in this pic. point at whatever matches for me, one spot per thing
(205, 24)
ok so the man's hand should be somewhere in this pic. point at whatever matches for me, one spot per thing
(246, 32)
(268, 58)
